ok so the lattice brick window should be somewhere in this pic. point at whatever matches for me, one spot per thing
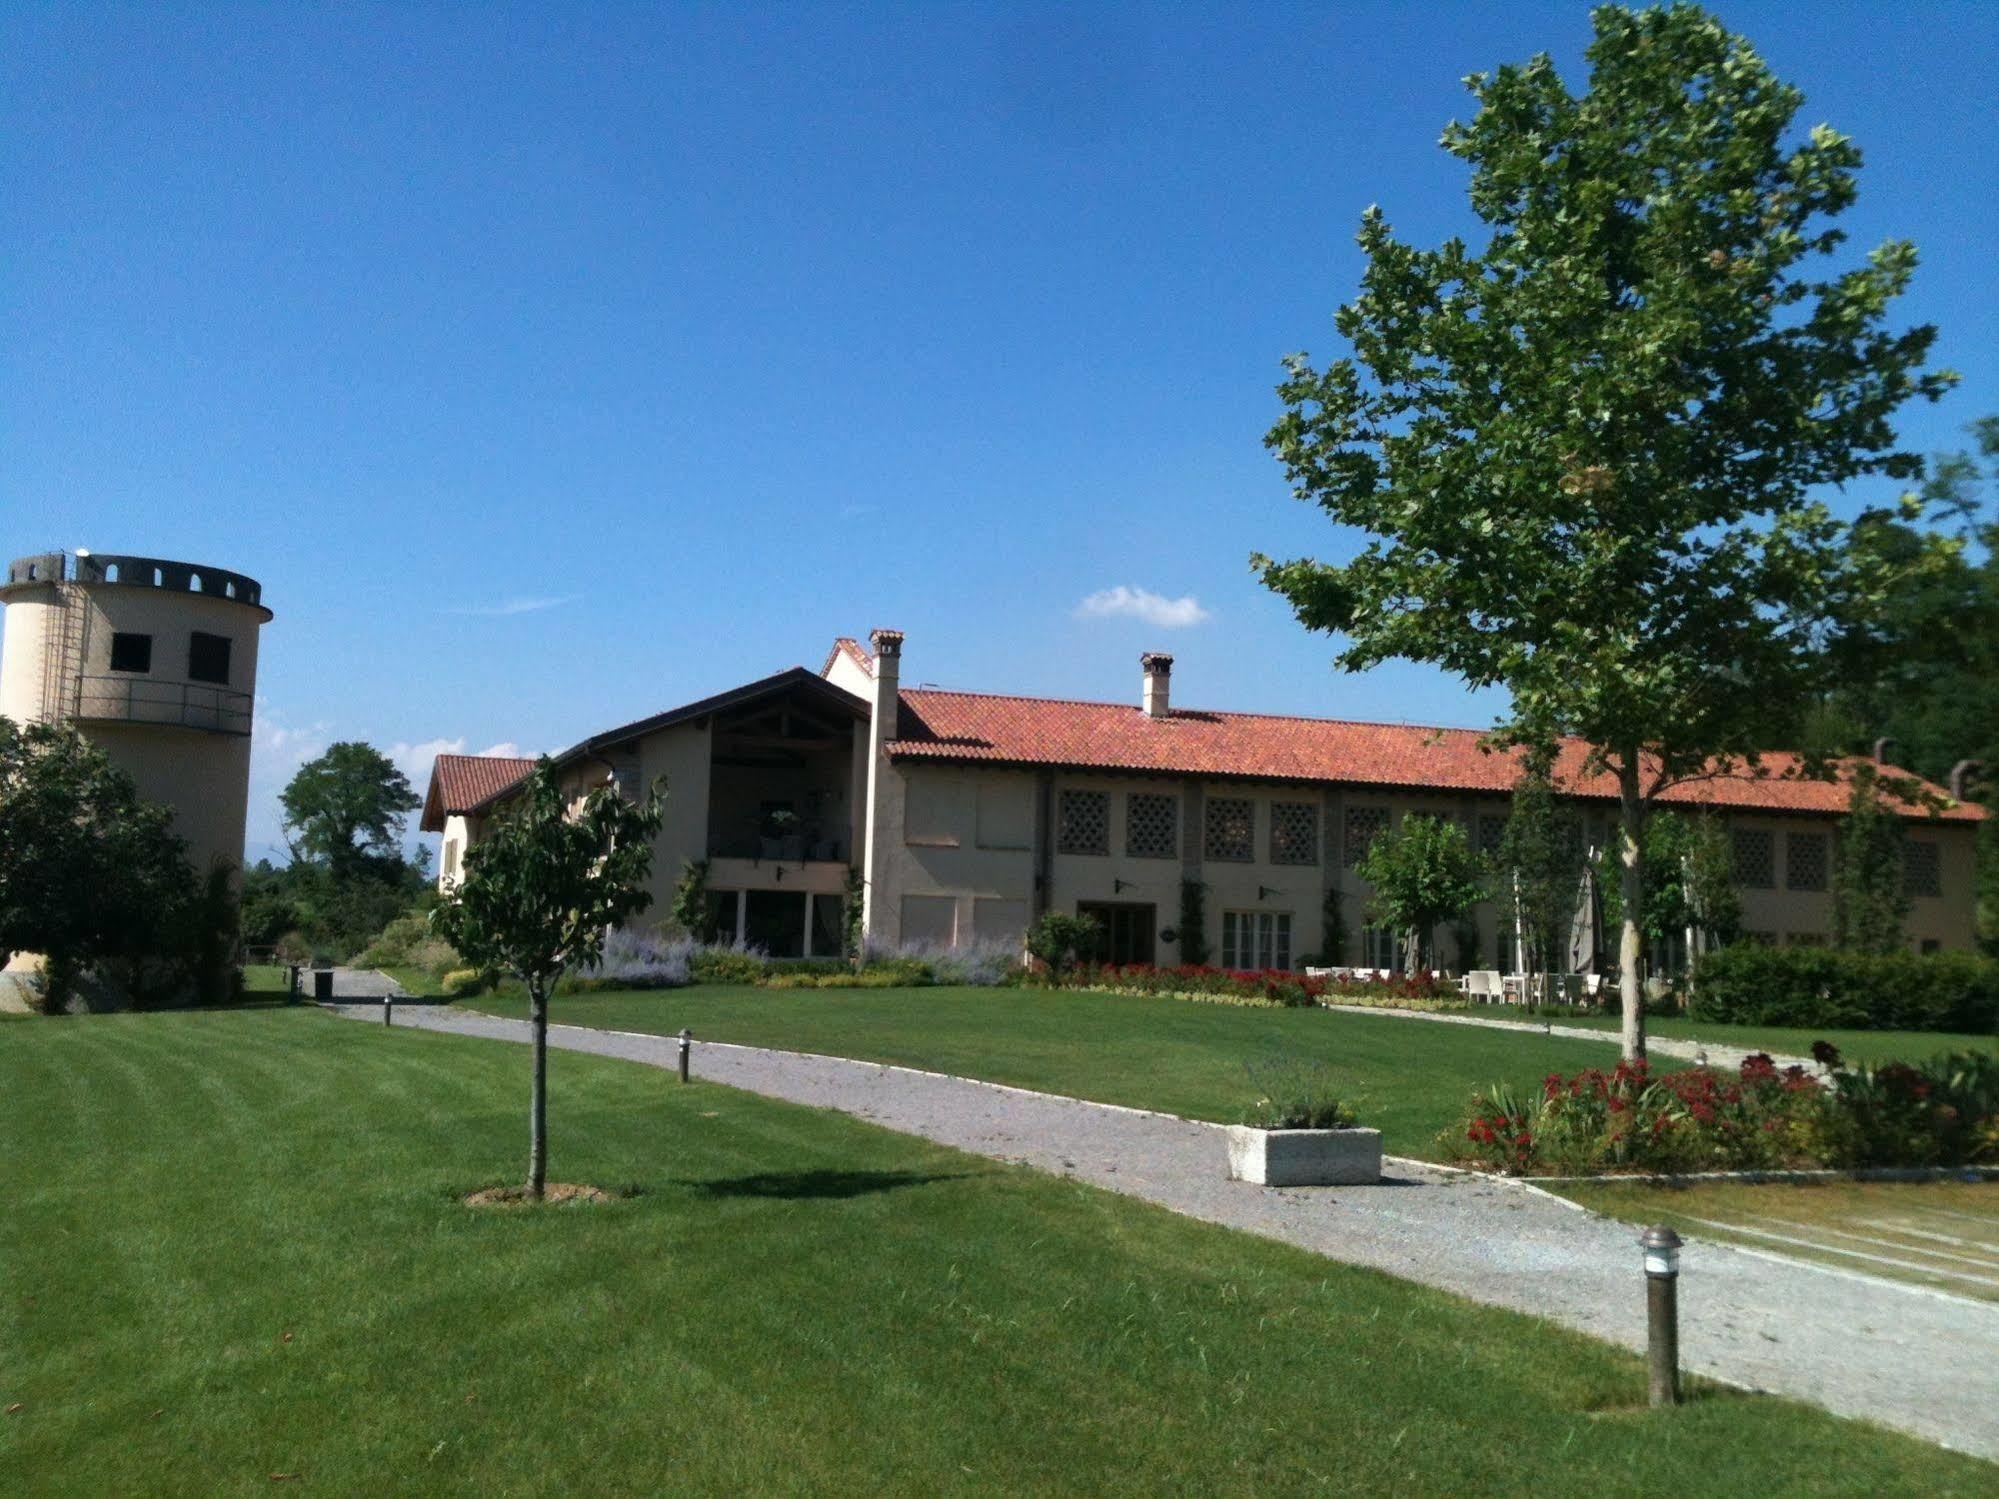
(1922, 869)
(1807, 860)
(1151, 825)
(1491, 830)
(1755, 858)
(1231, 832)
(1294, 832)
(1363, 826)
(1083, 823)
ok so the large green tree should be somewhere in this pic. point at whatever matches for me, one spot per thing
(1584, 455)
(88, 870)
(539, 894)
(346, 807)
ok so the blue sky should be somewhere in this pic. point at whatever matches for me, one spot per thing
(551, 366)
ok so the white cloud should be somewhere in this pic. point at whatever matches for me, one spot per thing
(1139, 603)
(511, 606)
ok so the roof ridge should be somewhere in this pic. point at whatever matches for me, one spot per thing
(1090, 702)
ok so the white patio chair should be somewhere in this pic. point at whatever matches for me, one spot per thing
(1483, 985)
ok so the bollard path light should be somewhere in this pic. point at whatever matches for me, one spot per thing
(1662, 1312)
(686, 1040)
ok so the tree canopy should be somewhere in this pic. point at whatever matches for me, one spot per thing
(1423, 872)
(1585, 456)
(347, 806)
(89, 871)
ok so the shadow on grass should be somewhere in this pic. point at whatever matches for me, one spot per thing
(823, 1184)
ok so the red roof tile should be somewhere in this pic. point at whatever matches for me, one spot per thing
(1193, 741)
(458, 783)
(847, 645)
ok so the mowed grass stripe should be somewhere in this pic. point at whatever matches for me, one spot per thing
(794, 1302)
(1412, 1079)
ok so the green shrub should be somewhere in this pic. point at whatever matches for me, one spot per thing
(1295, 1093)
(1818, 988)
(1060, 940)
(461, 983)
(727, 965)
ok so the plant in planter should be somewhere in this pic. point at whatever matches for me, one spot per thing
(1299, 1132)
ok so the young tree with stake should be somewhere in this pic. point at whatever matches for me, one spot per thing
(1584, 455)
(537, 898)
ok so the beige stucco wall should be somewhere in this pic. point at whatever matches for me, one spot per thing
(935, 851)
(203, 774)
(21, 648)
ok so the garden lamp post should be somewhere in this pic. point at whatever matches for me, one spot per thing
(1662, 1312)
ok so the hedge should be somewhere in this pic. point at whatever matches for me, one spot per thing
(1821, 988)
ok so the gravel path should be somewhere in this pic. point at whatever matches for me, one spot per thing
(1903, 1356)
(362, 983)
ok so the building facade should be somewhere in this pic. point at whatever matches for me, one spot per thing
(153, 661)
(967, 815)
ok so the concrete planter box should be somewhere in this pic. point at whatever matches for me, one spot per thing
(1304, 1157)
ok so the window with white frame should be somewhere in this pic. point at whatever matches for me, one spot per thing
(1380, 947)
(1151, 825)
(1922, 868)
(1083, 822)
(1256, 939)
(1294, 832)
(1231, 829)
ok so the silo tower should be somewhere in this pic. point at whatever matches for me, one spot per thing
(156, 663)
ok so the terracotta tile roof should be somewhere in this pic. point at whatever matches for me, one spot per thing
(1191, 741)
(848, 646)
(458, 783)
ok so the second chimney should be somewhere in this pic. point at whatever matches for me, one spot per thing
(1158, 680)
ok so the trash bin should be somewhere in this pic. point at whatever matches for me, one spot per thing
(322, 984)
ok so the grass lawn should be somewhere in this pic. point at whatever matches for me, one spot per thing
(1410, 1078)
(267, 978)
(1941, 1234)
(232, 1252)
(416, 981)
(1857, 1046)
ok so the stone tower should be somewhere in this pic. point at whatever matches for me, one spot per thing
(156, 663)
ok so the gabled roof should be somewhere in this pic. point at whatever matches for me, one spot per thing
(794, 679)
(462, 783)
(853, 650)
(1027, 731)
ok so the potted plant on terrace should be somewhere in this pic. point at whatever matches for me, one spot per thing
(1300, 1133)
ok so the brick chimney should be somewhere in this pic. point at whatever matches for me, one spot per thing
(888, 681)
(1158, 668)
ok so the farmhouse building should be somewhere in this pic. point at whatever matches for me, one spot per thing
(961, 816)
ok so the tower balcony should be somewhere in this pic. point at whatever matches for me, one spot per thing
(149, 700)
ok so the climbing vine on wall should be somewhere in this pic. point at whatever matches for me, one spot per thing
(1193, 922)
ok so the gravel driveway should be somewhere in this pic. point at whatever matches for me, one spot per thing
(1904, 1356)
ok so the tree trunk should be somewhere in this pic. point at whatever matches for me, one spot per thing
(538, 1093)
(1630, 941)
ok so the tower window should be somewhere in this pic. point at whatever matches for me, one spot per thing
(208, 658)
(131, 652)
